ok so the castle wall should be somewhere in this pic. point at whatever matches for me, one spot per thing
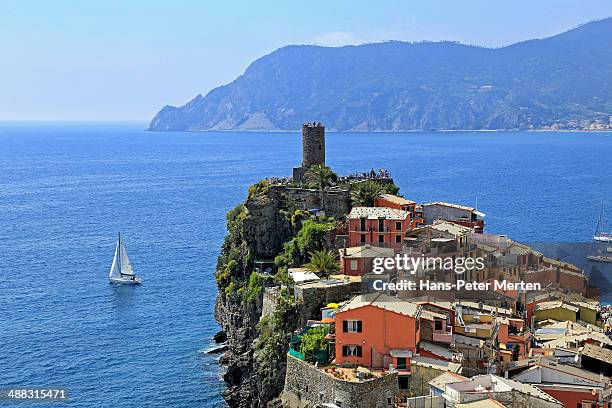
(306, 386)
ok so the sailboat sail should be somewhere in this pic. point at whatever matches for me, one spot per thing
(115, 271)
(126, 266)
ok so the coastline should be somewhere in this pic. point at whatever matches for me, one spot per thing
(391, 131)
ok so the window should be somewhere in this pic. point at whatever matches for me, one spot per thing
(363, 238)
(398, 239)
(362, 224)
(351, 351)
(401, 363)
(381, 238)
(352, 326)
(438, 324)
(353, 265)
(398, 225)
(381, 224)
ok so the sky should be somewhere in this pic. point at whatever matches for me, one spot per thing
(124, 60)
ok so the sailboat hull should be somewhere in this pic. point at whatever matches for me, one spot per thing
(600, 258)
(126, 281)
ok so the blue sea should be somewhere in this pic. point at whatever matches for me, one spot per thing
(66, 189)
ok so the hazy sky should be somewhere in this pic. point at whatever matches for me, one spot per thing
(123, 60)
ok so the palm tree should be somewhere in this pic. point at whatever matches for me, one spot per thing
(320, 177)
(366, 193)
(323, 262)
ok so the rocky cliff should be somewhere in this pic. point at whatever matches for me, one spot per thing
(558, 81)
(255, 363)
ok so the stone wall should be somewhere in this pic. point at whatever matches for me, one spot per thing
(313, 145)
(575, 282)
(270, 299)
(418, 381)
(313, 296)
(337, 203)
(307, 386)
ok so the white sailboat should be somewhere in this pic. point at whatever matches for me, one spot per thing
(121, 269)
(600, 237)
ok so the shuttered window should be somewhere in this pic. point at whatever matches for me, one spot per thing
(352, 326)
(351, 351)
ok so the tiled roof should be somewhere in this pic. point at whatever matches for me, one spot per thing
(555, 304)
(430, 315)
(367, 251)
(375, 213)
(486, 403)
(445, 204)
(435, 349)
(396, 199)
(517, 248)
(527, 389)
(598, 353)
(382, 301)
(494, 383)
(451, 228)
(446, 378)
(435, 364)
(571, 371)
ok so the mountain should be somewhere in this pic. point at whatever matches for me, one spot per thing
(561, 81)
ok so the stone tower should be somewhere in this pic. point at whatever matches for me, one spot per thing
(313, 144)
(313, 148)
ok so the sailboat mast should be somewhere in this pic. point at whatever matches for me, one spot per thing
(119, 251)
(597, 227)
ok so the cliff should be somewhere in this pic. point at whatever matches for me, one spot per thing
(271, 224)
(255, 362)
(559, 81)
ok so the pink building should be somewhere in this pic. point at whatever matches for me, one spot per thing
(378, 226)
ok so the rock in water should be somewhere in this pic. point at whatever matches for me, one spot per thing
(220, 337)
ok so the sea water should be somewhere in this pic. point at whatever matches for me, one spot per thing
(66, 189)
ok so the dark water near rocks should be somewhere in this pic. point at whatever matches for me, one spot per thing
(66, 189)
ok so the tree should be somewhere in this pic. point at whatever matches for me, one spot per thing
(366, 193)
(313, 342)
(320, 177)
(323, 263)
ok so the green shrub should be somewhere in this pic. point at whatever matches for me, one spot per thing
(312, 235)
(314, 341)
(259, 189)
(255, 287)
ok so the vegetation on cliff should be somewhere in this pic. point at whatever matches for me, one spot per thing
(268, 225)
(323, 263)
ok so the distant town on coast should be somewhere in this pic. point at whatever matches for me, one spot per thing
(555, 83)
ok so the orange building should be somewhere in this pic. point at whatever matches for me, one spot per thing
(378, 226)
(376, 330)
(512, 334)
(403, 204)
